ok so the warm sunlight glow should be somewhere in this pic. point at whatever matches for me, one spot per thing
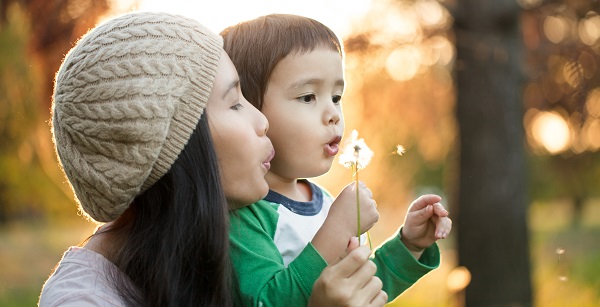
(402, 19)
(336, 14)
(430, 13)
(552, 131)
(403, 63)
(437, 50)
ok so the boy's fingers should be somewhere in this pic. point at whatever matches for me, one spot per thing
(443, 225)
(422, 216)
(423, 201)
(439, 210)
(361, 185)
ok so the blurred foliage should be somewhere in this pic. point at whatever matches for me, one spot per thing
(55, 26)
(400, 91)
(23, 186)
(399, 66)
(34, 36)
(562, 98)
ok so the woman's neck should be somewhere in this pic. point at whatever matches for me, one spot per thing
(107, 241)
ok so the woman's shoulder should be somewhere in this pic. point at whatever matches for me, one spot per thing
(81, 277)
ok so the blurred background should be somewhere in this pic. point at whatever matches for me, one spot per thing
(496, 104)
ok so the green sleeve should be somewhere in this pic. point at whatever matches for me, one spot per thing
(398, 269)
(263, 279)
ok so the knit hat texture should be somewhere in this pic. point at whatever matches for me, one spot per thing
(127, 98)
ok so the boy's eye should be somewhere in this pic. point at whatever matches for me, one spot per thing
(336, 99)
(307, 98)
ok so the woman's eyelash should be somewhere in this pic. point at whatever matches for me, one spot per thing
(236, 106)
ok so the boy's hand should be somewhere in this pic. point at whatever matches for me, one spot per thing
(340, 225)
(343, 209)
(426, 222)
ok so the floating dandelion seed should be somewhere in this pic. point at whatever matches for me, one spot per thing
(356, 155)
(559, 251)
(400, 150)
(563, 278)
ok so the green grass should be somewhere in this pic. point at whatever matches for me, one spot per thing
(29, 252)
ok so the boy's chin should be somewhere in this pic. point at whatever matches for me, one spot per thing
(318, 171)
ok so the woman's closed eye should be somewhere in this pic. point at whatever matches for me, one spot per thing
(236, 106)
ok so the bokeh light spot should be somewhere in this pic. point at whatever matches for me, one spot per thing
(458, 279)
(555, 28)
(552, 131)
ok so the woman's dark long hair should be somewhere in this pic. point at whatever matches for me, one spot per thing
(176, 251)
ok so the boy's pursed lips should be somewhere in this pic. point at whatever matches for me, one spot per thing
(333, 147)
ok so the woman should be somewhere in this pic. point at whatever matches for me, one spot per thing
(157, 141)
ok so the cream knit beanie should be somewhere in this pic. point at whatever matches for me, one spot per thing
(126, 100)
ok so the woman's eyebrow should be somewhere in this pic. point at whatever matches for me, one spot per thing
(233, 85)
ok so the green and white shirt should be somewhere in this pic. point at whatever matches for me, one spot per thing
(276, 265)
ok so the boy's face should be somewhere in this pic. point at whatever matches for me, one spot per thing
(303, 105)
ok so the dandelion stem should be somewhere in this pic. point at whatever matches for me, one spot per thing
(357, 201)
(358, 207)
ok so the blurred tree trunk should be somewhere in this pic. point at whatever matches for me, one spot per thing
(491, 206)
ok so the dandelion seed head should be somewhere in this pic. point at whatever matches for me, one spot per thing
(560, 251)
(355, 152)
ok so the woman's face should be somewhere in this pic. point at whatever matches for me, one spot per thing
(239, 132)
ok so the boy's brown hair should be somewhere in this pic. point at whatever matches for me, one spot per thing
(256, 47)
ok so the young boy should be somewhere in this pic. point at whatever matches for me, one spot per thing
(291, 69)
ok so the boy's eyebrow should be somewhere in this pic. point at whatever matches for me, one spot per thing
(303, 82)
(233, 85)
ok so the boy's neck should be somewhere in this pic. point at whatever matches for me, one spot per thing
(290, 188)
